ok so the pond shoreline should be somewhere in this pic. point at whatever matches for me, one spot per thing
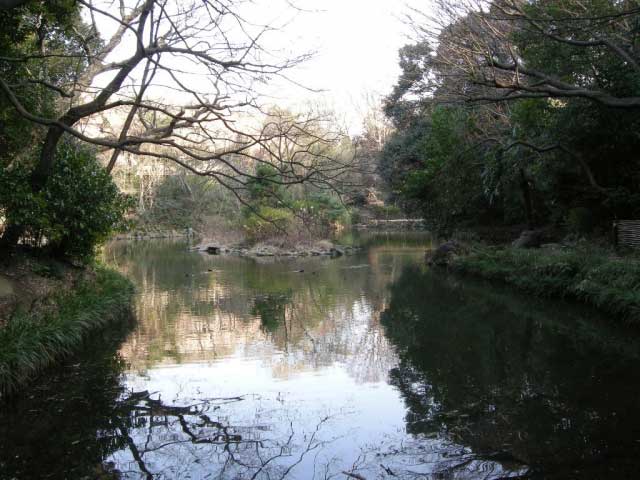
(50, 312)
(589, 275)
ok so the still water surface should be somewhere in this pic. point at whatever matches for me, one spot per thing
(369, 365)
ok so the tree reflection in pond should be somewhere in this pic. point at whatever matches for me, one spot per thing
(63, 426)
(358, 367)
(271, 309)
(199, 441)
(516, 380)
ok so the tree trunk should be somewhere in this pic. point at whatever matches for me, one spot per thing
(41, 173)
(9, 240)
(47, 159)
(526, 196)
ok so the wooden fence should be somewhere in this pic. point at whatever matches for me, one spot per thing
(627, 233)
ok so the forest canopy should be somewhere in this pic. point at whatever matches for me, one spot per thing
(511, 112)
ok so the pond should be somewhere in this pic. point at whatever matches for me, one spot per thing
(365, 366)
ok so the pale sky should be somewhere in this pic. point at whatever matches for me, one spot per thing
(356, 44)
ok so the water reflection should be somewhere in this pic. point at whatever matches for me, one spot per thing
(358, 367)
(65, 425)
(522, 381)
(297, 316)
(298, 343)
(200, 444)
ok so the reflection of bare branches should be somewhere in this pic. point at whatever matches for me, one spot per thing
(438, 459)
(155, 433)
(357, 465)
(311, 445)
(354, 475)
(136, 453)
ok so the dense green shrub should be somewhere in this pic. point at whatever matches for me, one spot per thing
(263, 222)
(271, 210)
(323, 210)
(76, 210)
(435, 173)
(266, 212)
(265, 187)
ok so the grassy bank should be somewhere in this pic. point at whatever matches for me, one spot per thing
(32, 341)
(597, 278)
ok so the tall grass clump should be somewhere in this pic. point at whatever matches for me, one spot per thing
(29, 343)
(594, 277)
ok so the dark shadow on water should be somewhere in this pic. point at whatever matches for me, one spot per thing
(516, 379)
(63, 426)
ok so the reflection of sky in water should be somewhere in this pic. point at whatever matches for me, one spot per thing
(272, 409)
(274, 372)
(371, 364)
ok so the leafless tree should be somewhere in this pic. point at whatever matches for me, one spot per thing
(176, 80)
(478, 58)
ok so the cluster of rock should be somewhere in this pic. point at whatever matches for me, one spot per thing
(321, 249)
(542, 239)
(445, 253)
(529, 239)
